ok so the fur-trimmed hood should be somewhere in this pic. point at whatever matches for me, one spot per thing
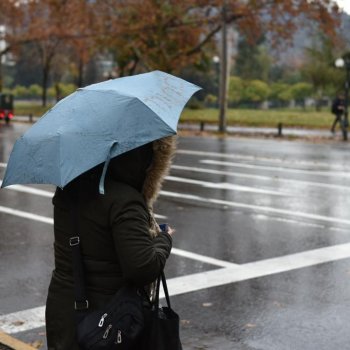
(163, 152)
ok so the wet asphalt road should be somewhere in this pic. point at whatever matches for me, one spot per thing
(261, 204)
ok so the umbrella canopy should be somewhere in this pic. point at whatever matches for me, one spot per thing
(96, 123)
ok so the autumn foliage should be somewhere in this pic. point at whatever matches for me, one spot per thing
(144, 35)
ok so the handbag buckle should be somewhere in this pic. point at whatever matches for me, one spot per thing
(74, 241)
(81, 305)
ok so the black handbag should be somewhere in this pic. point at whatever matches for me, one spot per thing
(119, 324)
(162, 330)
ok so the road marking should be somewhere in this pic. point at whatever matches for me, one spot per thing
(254, 158)
(31, 190)
(175, 251)
(215, 278)
(259, 177)
(263, 167)
(264, 159)
(22, 321)
(291, 221)
(225, 186)
(203, 258)
(198, 199)
(34, 318)
(26, 215)
(48, 194)
(254, 207)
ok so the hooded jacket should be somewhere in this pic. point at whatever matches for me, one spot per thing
(120, 239)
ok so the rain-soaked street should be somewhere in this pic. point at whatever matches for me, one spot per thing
(261, 250)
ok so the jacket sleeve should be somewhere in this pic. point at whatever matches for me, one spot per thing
(141, 257)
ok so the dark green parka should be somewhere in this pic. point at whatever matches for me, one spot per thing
(120, 241)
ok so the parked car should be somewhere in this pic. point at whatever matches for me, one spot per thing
(6, 107)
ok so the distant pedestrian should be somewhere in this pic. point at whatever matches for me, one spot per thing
(338, 109)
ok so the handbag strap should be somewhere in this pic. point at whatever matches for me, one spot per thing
(162, 279)
(81, 302)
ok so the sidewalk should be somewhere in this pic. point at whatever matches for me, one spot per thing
(285, 131)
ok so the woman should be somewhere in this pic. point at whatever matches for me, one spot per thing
(120, 240)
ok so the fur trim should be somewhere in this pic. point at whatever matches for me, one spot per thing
(163, 152)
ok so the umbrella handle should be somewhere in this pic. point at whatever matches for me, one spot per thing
(101, 186)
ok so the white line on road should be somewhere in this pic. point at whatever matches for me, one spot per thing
(204, 200)
(22, 321)
(34, 318)
(255, 158)
(225, 186)
(288, 161)
(202, 258)
(290, 170)
(31, 190)
(254, 207)
(48, 194)
(26, 215)
(260, 177)
(175, 251)
(198, 199)
(215, 278)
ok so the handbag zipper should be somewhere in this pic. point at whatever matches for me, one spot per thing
(119, 337)
(105, 335)
(100, 324)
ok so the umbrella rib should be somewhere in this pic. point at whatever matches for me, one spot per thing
(158, 116)
(109, 91)
(91, 105)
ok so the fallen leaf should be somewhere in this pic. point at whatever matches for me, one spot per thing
(250, 325)
(207, 304)
(185, 322)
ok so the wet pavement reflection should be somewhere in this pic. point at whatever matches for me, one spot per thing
(232, 202)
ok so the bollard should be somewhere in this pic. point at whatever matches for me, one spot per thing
(31, 118)
(279, 127)
(202, 126)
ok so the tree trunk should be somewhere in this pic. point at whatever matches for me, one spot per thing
(44, 84)
(1, 75)
(80, 73)
(223, 74)
(58, 91)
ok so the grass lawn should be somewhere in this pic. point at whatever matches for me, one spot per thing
(30, 107)
(257, 117)
(241, 117)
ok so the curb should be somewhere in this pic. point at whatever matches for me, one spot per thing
(9, 343)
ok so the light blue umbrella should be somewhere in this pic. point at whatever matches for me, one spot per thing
(97, 123)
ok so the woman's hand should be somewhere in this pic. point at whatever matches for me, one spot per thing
(166, 228)
(171, 231)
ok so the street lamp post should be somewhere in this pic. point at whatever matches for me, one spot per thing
(2, 48)
(224, 71)
(216, 62)
(344, 62)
